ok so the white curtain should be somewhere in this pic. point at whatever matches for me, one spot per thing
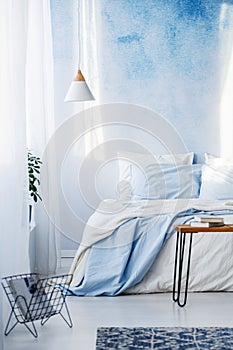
(13, 168)
(40, 121)
(13, 210)
(26, 114)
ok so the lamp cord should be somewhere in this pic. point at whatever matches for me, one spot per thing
(79, 30)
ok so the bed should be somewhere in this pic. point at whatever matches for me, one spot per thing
(128, 243)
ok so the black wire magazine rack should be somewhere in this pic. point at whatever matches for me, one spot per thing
(33, 298)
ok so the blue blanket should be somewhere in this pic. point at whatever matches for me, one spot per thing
(113, 265)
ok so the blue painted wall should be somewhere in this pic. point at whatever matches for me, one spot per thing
(171, 56)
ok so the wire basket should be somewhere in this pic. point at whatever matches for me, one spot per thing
(33, 298)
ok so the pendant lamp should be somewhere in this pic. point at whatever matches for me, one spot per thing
(79, 90)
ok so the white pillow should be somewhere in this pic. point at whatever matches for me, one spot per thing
(143, 160)
(216, 161)
(217, 182)
(125, 159)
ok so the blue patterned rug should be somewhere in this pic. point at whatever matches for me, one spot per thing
(214, 338)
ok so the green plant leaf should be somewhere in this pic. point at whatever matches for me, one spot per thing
(34, 164)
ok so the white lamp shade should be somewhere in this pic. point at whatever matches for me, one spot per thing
(78, 91)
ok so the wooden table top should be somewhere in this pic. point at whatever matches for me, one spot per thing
(190, 229)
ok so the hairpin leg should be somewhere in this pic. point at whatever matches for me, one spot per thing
(178, 268)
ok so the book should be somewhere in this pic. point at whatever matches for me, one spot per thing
(31, 299)
(214, 219)
(205, 224)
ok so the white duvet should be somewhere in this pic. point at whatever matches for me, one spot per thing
(212, 255)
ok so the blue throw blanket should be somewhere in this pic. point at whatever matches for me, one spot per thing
(113, 265)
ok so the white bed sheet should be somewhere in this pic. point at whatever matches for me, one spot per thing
(211, 265)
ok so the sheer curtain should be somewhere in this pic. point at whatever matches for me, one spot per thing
(40, 120)
(13, 167)
(26, 114)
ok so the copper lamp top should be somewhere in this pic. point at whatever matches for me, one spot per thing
(79, 76)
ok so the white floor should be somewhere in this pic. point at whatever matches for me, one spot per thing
(88, 313)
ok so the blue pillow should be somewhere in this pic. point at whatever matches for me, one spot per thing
(217, 182)
(165, 181)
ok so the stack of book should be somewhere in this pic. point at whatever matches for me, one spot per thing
(204, 221)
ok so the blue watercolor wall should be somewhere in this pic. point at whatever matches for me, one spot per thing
(171, 56)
